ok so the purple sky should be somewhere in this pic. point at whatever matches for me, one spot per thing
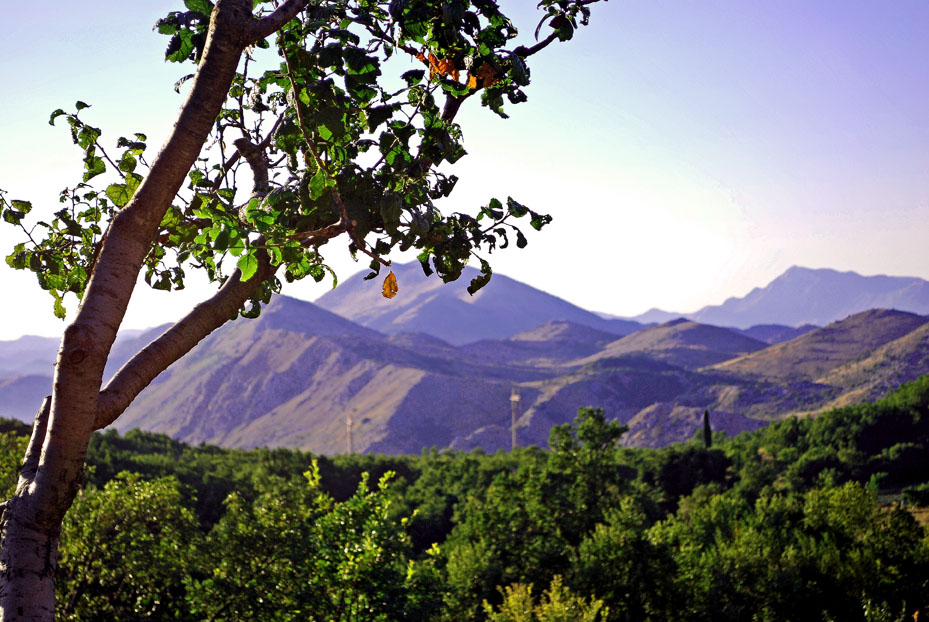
(688, 151)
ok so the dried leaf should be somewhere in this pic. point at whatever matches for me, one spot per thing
(390, 285)
(484, 77)
(439, 67)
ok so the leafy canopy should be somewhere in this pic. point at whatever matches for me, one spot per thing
(349, 129)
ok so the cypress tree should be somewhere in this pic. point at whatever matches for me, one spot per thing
(707, 432)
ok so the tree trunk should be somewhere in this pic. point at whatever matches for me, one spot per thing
(52, 471)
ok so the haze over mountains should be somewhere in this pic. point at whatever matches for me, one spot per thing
(501, 309)
(297, 374)
(807, 296)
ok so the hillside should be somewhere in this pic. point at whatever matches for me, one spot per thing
(682, 343)
(292, 377)
(298, 374)
(886, 368)
(817, 352)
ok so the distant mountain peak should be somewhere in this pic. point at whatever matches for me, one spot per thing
(503, 308)
(815, 296)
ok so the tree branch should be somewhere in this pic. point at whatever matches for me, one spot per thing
(270, 24)
(202, 320)
(177, 341)
(34, 449)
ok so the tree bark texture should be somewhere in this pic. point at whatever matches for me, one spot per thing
(53, 467)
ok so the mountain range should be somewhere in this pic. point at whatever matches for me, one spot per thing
(807, 296)
(299, 373)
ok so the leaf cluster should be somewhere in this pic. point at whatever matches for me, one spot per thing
(350, 130)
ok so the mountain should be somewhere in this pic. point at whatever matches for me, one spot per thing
(21, 395)
(297, 375)
(293, 376)
(815, 353)
(776, 333)
(553, 343)
(811, 296)
(819, 369)
(682, 343)
(27, 365)
(885, 369)
(656, 425)
(28, 355)
(501, 309)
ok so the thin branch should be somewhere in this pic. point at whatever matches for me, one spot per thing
(34, 449)
(317, 236)
(268, 25)
(524, 52)
(346, 222)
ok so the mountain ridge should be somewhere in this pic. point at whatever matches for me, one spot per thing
(299, 373)
(802, 295)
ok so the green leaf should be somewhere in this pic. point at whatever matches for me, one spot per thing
(132, 183)
(539, 220)
(414, 76)
(221, 241)
(201, 6)
(319, 184)
(23, 206)
(358, 62)
(517, 209)
(248, 264)
(119, 194)
(127, 163)
(55, 115)
(180, 46)
(81, 105)
(172, 218)
(93, 166)
(377, 115)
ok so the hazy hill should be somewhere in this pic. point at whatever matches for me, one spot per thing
(553, 344)
(292, 378)
(21, 396)
(776, 333)
(817, 352)
(886, 368)
(503, 308)
(810, 296)
(28, 355)
(295, 376)
(682, 343)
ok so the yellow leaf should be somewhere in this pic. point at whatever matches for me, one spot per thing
(390, 285)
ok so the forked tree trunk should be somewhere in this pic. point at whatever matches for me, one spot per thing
(53, 467)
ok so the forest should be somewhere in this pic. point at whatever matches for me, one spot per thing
(808, 519)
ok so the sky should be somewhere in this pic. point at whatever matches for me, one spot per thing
(687, 151)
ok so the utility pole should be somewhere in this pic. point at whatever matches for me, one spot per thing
(514, 412)
(348, 425)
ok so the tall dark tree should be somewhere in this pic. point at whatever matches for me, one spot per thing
(707, 431)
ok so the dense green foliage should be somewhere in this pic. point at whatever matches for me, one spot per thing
(800, 521)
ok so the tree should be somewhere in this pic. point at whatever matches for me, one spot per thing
(333, 149)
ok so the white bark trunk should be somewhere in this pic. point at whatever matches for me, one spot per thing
(31, 520)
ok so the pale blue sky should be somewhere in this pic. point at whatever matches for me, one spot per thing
(688, 151)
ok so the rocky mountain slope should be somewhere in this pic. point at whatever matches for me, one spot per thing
(280, 381)
(299, 374)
